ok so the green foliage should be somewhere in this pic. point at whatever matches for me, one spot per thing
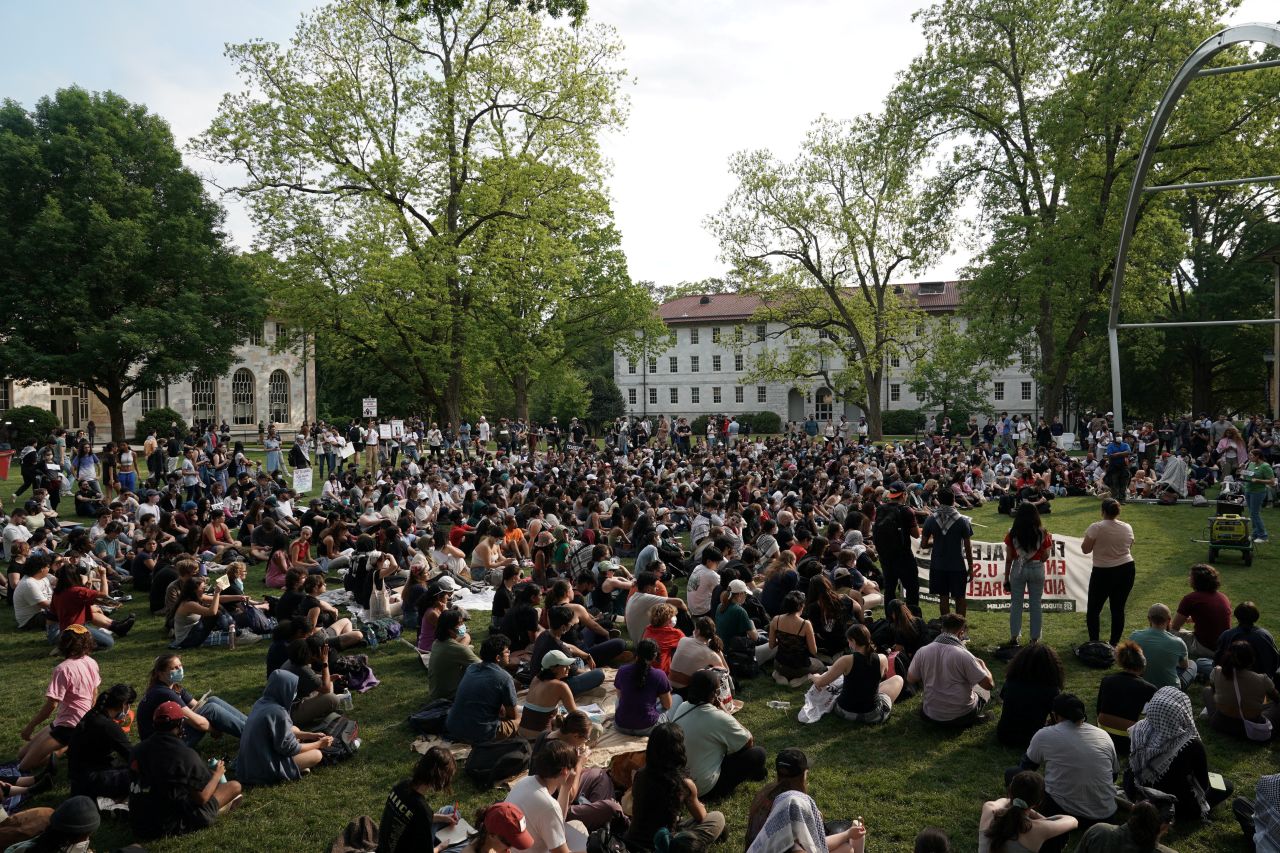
(563, 394)
(575, 10)
(102, 223)
(950, 371)
(903, 421)
(606, 400)
(761, 423)
(162, 420)
(30, 422)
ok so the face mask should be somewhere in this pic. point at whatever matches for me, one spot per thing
(175, 677)
(462, 630)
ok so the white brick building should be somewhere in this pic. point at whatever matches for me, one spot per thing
(706, 370)
(263, 385)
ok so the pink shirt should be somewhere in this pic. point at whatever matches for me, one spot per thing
(74, 687)
(949, 673)
(1112, 539)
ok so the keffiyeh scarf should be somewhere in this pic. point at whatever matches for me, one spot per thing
(1266, 815)
(1157, 740)
(794, 821)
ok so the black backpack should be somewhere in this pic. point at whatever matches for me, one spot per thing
(492, 763)
(430, 719)
(346, 737)
(740, 654)
(1096, 654)
(889, 536)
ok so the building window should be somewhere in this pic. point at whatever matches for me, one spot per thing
(694, 396)
(675, 396)
(150, 400)
(693, 364)
(6, 396)
(693, 337)
(631, 396)
(243, 408)
(1028, 353)
(653, 396)
(895, 392)
(674, 363)
(761, 331)
(999, 391)
(762, 394)
(278, 397)
(715, 364)
(715, 395)
(919, 330)
(204, 399)
(255, 336)
(824, 335)
(653, 364)
(282, 334)
(715, 334)
(737, 361)
(1026, 390)
(895, 360)
(737, 394)
(84, 405)
(631, 365)
(737, 334)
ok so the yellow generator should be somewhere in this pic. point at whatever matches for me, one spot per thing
(1230, 532)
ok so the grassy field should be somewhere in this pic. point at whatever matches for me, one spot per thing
(899, 777)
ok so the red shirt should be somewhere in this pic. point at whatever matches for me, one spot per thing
(667, 639)
(1040, 555)
(799, 550)
(1211, 613)
(72, 606)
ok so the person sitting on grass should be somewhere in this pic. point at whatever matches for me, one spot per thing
(957, 684)
(502, 828)
(1237, 693)
(546, 794)
(451, 655)
(1168, 664)
(644, 597)
(699, 651)
(1167, 755)
(208, 714)
(664, 634)
(562, 620)
(484, 708)
(869, 691)
(1266, 659)
(323, 618)
(75, 602)
(1011, 823)
(733, 624)
(33, 595)
(98, 742)
(1034, 677)
(520, 624)
(174, 791)
(72, 691)
(546, 693)
(663, 793)
(644, 691)
(272, 748)
(198, 624)
(589, 634)
(316, 699)
(596, 803)
(792, 644)
(1208, 610)
(1141, 833)
(722, 753)
(1123, 695)
(408, 822)
(792, 766)
(70, 826)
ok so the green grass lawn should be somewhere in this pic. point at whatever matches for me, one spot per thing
(899, 777)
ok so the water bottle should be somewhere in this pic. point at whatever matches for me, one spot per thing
(777, 704)
(213, 762)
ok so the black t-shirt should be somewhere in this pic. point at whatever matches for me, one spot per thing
(1124, 695)
(159, 583)
(277, 656)
(166, 772)
(519, 625)
(308, 681)
(501, 602)
(94, 745)
(287, 604)
(406, 822)
(154, 698)
(1026, 707)
(141, 571)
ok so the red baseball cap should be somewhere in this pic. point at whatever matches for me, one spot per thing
(167, 712)
(506, 821)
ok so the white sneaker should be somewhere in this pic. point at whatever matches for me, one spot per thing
(247, 638)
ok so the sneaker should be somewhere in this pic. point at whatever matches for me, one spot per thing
(124, 626)
(247, 638)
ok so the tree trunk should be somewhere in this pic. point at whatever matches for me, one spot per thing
(1200, 366)
(114, 401)
(875, 423)
(520, 389)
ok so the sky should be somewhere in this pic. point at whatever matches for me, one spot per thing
(711, 77)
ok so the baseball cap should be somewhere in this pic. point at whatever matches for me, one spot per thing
(506, 821)
(555, 657)
(663, 529)
(167, 712)
(791, 762)
(896, 488)
(447, 583)
(737, 585)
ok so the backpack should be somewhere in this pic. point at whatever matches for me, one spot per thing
(1007, 504)
(882, 634)
(889, 535)
(1098, 655)
(740, 654)
(346, 737)
(579, 559)
(430, 718)
(603, 840)
(492, 763)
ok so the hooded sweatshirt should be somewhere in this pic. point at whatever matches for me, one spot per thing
(268, 744)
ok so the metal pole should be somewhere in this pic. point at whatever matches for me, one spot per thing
(1114, 342)
(1198, 185)
(1264, 321)
(1231, 69)
(1275, 344)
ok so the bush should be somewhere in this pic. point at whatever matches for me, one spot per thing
(699, 426)
(162, 420)
(761, 423)
(30, 422)
(902, 421)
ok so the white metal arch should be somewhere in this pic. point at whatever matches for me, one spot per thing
(1263, 33)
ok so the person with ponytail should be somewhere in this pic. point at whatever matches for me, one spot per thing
(642, 688)
(1237, 692)
(1140, 834)
(98, 741)
(1012, 825)
(704, 649)
(869, 691)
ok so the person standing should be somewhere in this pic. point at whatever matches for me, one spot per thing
(951, 559)
(1109, 542)
(371, 447)
(1026, 547)
(1259, 477)
(895, 528)
(1117, 476)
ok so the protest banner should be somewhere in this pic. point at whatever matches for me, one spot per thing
(397, 428)
(1066, 576)
(369, 407)
(384, 430)
(302, 480)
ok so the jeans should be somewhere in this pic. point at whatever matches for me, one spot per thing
(1255, 500)
(1117, 480)
(1027, 577)
(222, 718)
(602, 649)
(1114, 583)
(582, 682)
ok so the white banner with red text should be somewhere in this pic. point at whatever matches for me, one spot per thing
(1066, 576)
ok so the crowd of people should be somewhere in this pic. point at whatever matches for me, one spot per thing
(658, 571)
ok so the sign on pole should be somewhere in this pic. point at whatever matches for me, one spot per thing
(370, 407)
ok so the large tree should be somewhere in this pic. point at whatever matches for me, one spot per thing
(381, 151)
(1048, 103)
(114, 269)
(825, 239)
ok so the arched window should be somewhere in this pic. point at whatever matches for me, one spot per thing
(204, 399)
(278, 396)
(243, 407)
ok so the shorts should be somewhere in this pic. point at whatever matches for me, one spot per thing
(878, 714)
(200, 817)
(951, 584)
(62, 734)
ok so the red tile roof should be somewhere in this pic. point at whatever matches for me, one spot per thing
(737, 306)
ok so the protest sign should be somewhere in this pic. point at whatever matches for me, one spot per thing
(1066, 576)
(302, 480)
(369, 407)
